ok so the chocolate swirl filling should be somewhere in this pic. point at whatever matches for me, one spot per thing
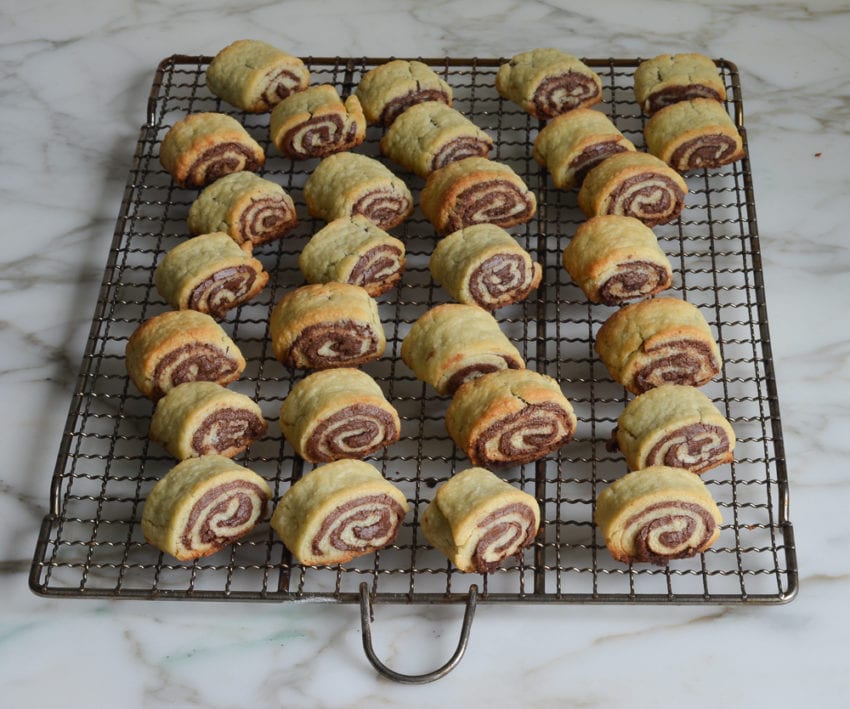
(359, 526)
(507, 531)
(704, 151)
(223, 290)
(527, 435)
(696, 447)
(458, 149)
(563, 92)
(195, 362)
(633, 279)
(378, 270)
(279, 83)
(591, 156)
(502, 279)
(319, 136)
(498, 202)
(334, 344)
(394, 107)
(352, 432)
(219, 160)
(674, 94)
(227, 431)
(266, 219)
(385, 208)
(466, 372)
(670, 530)
(684, 361)
(222, 515)
(651, 197)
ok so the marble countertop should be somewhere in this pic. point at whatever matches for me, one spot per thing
(75, 83)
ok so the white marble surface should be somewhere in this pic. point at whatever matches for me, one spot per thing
(75, 80)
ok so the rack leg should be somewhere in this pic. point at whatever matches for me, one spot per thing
(366, 620)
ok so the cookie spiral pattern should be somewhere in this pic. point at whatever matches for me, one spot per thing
(510, 417)
(657, 514)
(319, 326)
(478, 520)
(339, 511)
(476, 191)
(181, 346)
(202, 505)
(677, 426)
(338, 413)
(634, 184)
(484, 265)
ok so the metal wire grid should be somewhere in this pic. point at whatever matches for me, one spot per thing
(91, 544)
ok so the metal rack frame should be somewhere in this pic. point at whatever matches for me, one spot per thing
(90, 543)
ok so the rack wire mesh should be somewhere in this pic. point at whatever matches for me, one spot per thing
(90, 544)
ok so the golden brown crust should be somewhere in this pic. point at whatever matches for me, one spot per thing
(177, 346)
(209, 273)
(547, 82)
(254, 75)
(388, 89)
(669, 78)
(325, 325)
(452, 343)
(475, 191)
(511, 416)
(614, 258)
(345, 184)
(315, 123)
(674, 425)
(695, 134)
(634, 184)
(572, 144)
(202, 147)
(657, 514)
(658, 341)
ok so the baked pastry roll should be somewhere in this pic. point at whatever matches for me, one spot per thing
(202, 505)
(338, 413)
(326, 325)
(180, 346)
(511, 416)
(689, 135)
(658, 341)
(210, 273)
(246, 206)
(255, 76)
(547, 82)
(614, 259)
(674, 425)
(453, 343)
(668, 78)
(484, 265)
(390, 88)
(353, 250)
(571, 144)
(345, 184)
(476, 191)
(202, 147)
(430, 135)
(205, 418)
(339, 511)
(478, 520)
(315, 123)
(634, 184)
(657, 514)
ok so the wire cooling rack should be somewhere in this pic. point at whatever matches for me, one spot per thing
(91, 545)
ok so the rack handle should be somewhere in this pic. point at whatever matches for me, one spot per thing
(365, 623)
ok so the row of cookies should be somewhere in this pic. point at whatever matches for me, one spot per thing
(277, 339)
(660, 349)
